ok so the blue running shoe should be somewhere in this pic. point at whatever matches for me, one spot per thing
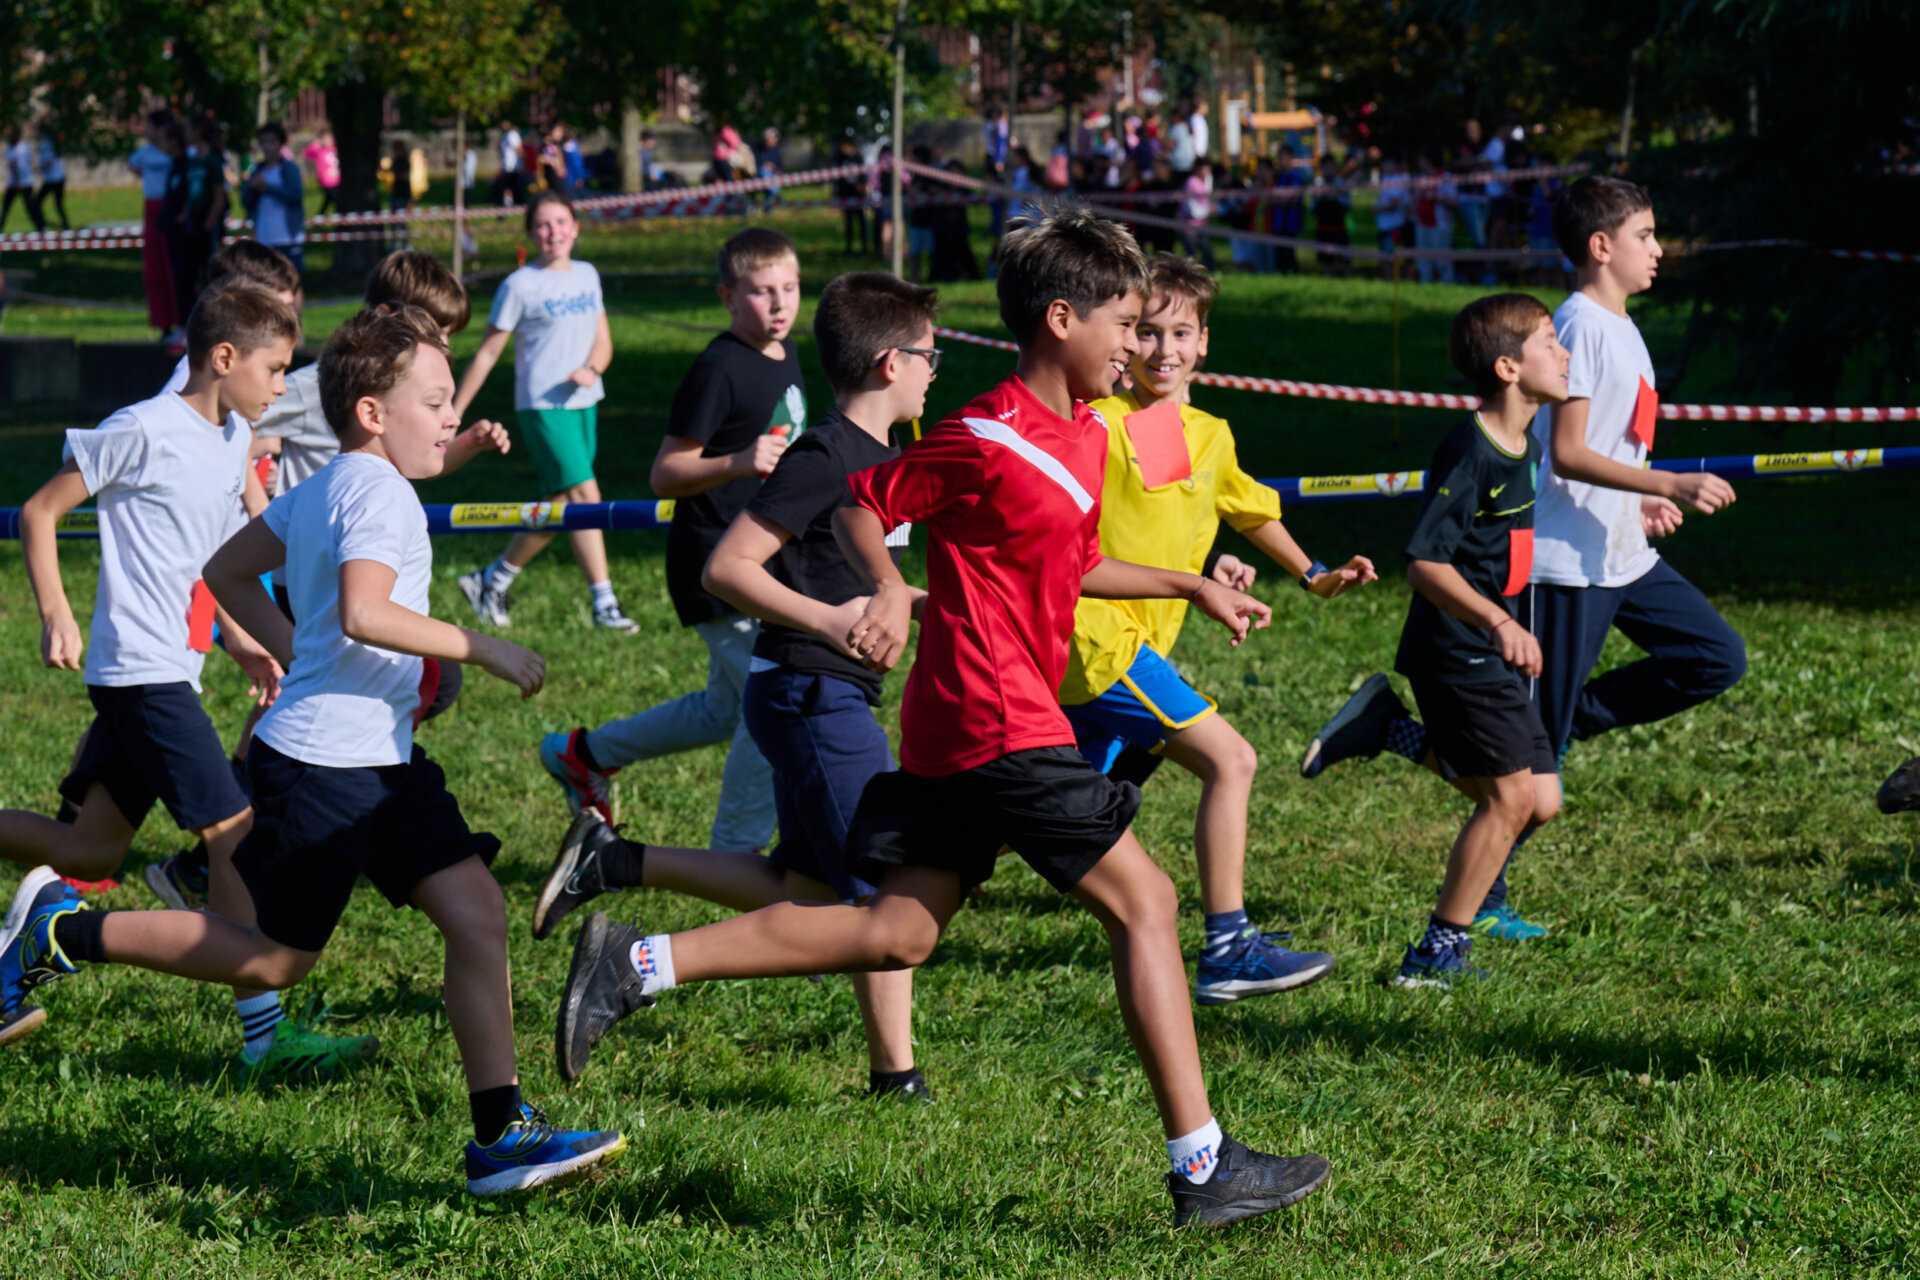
(29, 957)
(1261, 967)
(585, 787)
(1440, 968)
(1504, 923)
(532, 1153)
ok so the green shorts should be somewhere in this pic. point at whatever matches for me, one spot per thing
(561, 443)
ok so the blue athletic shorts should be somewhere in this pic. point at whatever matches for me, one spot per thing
(154, 742)
(1140, 708)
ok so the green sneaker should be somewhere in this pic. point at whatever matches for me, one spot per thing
(1506, 924)
(297, 1053)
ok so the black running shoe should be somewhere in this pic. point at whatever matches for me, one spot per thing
(1900, 793)
(1358, 729)
(914, 1091)
(1245, 1184)
(575, 877)
(601, 989)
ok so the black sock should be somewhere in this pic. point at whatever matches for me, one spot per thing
(77, 933)
(620, 862)
(880, 1083)
(493, 1111)
(198, 861)
(585, 753)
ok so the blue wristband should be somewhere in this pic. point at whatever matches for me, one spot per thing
(1314, 570)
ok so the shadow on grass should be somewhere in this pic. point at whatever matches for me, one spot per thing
(1888, 877)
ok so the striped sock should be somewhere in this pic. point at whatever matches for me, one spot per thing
(1224, 930)
(1443, 935)
(500, 574)
(259, 1017)
(1407, 737)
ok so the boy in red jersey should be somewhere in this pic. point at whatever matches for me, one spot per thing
(1009, 492)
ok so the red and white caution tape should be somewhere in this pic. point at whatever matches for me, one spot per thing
(1447, 400)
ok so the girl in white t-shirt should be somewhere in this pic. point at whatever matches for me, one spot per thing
(553, 311)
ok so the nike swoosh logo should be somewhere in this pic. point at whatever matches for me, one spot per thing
(1494, 493)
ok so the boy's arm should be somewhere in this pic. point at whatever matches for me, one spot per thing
(1574, 460)
(60, 643)
(737, 573)
(879, 636)
(483, 361)
(679, 470)
(599, 356)
(1112, 579)
(253, 494)
(369, 615)
(1442, 584)
(483, 436)
(1274, 539)
(233, 575)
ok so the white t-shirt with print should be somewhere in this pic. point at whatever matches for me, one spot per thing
(1585, 535)
(344, 704)
(554, 316)
(167, 485)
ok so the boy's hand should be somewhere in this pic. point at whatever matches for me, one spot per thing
(263, 673)
(1703, 491)
(483, 435)
(1659, 516)
(505, 660)
(840, 622)
(1237, 611)
(879, 636)
(1518, 647)
(1232, 571)
(60, 644)
(1356, 572)
(762, 458)
(584, 376)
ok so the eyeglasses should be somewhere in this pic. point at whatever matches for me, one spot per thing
(931, 353)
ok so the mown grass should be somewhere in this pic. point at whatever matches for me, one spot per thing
(1706, 1070)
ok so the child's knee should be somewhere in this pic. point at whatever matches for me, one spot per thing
(465, 904)
(1513, 799)
(902, 937)
(1237, 761)
(282, 967)
(1546, 798)
(1725, 665)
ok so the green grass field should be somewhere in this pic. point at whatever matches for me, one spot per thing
(1707, 1070)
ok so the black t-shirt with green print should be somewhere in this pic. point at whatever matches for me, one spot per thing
(1478, 517)
(731, 397)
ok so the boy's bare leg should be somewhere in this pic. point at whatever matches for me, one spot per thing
(91, 848)
(886, 1011)
(1504, 808)
(895, 929)
(465, 904)
(1134, 901)
(201, 946)
(1214, 752)
(227, 894)
(589, 545)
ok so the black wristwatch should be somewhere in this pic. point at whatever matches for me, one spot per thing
(1314, 570)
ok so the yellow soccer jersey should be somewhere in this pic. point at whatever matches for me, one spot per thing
(1172, 527)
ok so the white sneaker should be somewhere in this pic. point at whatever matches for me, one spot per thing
(489, 604)
(610, 617)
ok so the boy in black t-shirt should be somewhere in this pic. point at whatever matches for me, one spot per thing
(1462, 649)
(809, 699)
(739, 407)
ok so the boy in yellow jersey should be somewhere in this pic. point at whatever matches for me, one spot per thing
(1172, 476)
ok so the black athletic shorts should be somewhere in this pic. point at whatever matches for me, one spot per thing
(154, 742)
(1484, 730)
(1048, 804)
(316, 829)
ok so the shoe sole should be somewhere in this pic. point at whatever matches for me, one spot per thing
(588, 952)
(21, 1023)
(1292, 982)
(163, 888)
(564, 865)
(626, 626)
(1227, 1215)
(1346, 715)
(558, 1172)
(22, 905)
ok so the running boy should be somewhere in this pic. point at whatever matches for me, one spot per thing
(1598, 506)
(1008, 490)
(552, 311)
(1172, 475)
(155, 471)
(808, 701)
(739, 407)
(343, 789)
(1463, 648)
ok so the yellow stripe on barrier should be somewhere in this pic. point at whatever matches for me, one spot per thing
(1387, 482)
(663, 511)
(1838, 460)
(83, 520)
(506, 515)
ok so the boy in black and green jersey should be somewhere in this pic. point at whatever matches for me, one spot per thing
(1463, 650)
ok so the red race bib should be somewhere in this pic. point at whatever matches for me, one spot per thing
(1646, 411)
(429, 688)
(1160, 445)
(200, 618)
(1519, 561)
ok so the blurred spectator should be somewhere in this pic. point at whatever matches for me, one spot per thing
(850, 192)
(1289, 208)
(53, 181)
(920, 217)
(274, 197)
(152, 161)
(510, 184)
(952, 245)
(1197, 129)
(20, 179)
(1180, 149)
(1196, 209)
(324, 155)
(1331, 205)
(998, 138)
(1391, 211)
(574, 164)
(767, 163)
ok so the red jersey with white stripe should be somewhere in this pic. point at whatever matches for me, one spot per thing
(1009, 492)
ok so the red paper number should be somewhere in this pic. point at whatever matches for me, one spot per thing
(1160, 445)
(1646, 410)
(200, 618)
(1519, 561)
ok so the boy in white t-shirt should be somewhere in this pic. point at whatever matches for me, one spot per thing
(1593, 569)
(167, 476)
(343, 790)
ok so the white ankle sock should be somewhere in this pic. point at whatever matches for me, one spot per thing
(652, 960)
(1196, 1156)
(500, 574)
(259, 1017)
(603, 597)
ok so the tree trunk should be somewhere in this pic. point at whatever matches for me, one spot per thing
(899, 136)
(459, 189)
(354, 111)
(631, 179)
(263, 99)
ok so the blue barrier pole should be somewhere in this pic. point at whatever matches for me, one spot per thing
(559, 517)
